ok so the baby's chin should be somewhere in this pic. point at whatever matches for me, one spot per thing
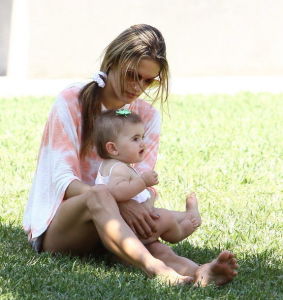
(128, 162)
(141, 156)
(138, 160)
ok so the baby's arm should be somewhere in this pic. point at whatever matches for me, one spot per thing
(124, 186)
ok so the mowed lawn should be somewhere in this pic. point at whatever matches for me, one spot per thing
(228, 149)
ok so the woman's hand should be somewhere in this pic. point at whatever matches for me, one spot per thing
(150, 178)
(139, 216)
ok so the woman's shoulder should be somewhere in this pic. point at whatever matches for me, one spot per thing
(71, 92)
(69, 97)
(145, 109)
(67, 103)
(147, 112)
(142, 104)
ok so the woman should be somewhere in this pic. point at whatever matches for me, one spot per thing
(66, 213)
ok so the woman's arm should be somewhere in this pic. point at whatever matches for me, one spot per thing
(140, 217)
(76, 188)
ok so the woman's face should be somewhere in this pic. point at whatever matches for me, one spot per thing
(148, 70)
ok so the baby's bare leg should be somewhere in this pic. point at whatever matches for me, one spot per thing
(191, 212)
(174, 230)
(192, 208)
(169, 229)
(174, 226)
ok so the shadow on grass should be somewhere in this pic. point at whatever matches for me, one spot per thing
(27, 275)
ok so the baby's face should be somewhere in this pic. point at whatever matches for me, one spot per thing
(130, 143)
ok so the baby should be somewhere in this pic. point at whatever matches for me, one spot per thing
(119, 141)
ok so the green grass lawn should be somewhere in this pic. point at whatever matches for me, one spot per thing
(228, 149)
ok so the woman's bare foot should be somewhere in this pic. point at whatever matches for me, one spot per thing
(171, 277)
(220, 271)
(164, 274)
(192, 209)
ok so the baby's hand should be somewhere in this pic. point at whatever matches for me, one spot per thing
(150, 178)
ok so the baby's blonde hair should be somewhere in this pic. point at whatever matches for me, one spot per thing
(108, 125)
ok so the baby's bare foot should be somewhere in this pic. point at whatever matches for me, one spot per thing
(192, 209)
(220, 271)
(189, 226)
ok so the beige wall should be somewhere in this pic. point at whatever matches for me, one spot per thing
(64, 38)
(5, 29)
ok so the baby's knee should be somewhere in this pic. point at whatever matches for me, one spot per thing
(167, 219)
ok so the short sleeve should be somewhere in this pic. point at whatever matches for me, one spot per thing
(58, 165)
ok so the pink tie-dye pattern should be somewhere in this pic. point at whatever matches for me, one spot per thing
(59, 159)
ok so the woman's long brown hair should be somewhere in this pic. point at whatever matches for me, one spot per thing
(124, 52)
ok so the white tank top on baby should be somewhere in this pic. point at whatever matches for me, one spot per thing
(141, 197)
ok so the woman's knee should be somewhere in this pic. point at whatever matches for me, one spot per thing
(98, 198)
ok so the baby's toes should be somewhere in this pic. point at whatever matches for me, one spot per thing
(195, 223)
(199, 221)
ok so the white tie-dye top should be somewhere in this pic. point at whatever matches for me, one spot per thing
(59, 162)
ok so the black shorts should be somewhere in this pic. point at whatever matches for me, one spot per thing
(37, 243)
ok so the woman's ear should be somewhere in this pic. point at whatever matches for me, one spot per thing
(111, 148)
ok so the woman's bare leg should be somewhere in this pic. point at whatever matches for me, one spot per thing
(82, 222)
(181, 265)
(220, 271)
